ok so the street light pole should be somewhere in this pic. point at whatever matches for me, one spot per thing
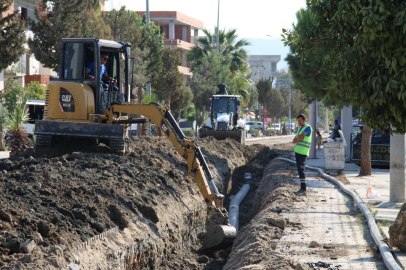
(218, 24)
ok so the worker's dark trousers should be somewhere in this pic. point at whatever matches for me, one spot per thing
(301, 169)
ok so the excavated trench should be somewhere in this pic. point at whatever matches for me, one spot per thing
(82, 207)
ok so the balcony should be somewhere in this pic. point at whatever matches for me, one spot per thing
(178, 43)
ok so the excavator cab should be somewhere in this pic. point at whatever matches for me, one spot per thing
(84, 54)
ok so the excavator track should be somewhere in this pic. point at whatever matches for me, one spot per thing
(117, 146)
(43, 141)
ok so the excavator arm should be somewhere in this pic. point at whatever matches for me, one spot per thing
(219, 232)
(189, 150)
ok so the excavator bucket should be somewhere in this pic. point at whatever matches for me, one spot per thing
(237, 135)
(219, 236)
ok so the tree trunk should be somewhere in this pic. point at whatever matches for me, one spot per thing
(366, 151)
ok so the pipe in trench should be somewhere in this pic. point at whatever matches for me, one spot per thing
(234, 209)
(387, 256)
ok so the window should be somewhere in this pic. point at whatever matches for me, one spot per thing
(73, 66)
(24, 14)
(273, 68)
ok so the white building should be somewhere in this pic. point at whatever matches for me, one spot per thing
(264, 66)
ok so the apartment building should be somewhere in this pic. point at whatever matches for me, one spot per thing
(264, 66)
(180, 31)
(28, 69)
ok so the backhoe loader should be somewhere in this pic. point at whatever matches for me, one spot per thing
(224, 120)
(79, 107)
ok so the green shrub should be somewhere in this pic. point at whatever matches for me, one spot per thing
(269, 132)
(189, 132)
(255, 132)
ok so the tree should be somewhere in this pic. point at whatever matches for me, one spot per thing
(206, 76)
(316, 50)
(181, 99)
(34, 90)
(139, 76)
(230, 49)
(127, 26)
(298, 105)
(171, 79)
(12, 36)
(152, 39)
(271, 98)
(67, 19)
(11, 94)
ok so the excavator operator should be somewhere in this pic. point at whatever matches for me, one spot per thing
(90, 71)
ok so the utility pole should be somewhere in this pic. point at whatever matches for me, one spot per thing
(312, 122)
(290, 105)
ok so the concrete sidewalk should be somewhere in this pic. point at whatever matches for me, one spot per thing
(385, 210)
(379, 181)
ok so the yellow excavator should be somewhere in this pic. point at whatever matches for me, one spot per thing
(79, 106)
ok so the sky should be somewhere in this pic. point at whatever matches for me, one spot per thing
(254, 19)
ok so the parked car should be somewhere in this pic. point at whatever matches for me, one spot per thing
(380, 148)
(255, 124)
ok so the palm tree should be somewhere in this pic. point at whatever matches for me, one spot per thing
(17, 139)
(230, 50)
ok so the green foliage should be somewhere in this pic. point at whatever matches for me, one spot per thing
(365, 52)
(269, 132)
(189, 133)
(18, 139)
(35, 90)
(67, 19)
(152, 39)
(181, 99)
(271, 98)
(255, 132)
(231, 50)
(12, 92)
(171, 79)
(147, 45)
(18, 116)
(230, 66)
(12, 36)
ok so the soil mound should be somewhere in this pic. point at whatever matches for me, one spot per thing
(54, 200)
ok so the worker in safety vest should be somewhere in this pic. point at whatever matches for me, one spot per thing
(303, 140)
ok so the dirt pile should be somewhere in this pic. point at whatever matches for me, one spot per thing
(254, 247)
(64, 207)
